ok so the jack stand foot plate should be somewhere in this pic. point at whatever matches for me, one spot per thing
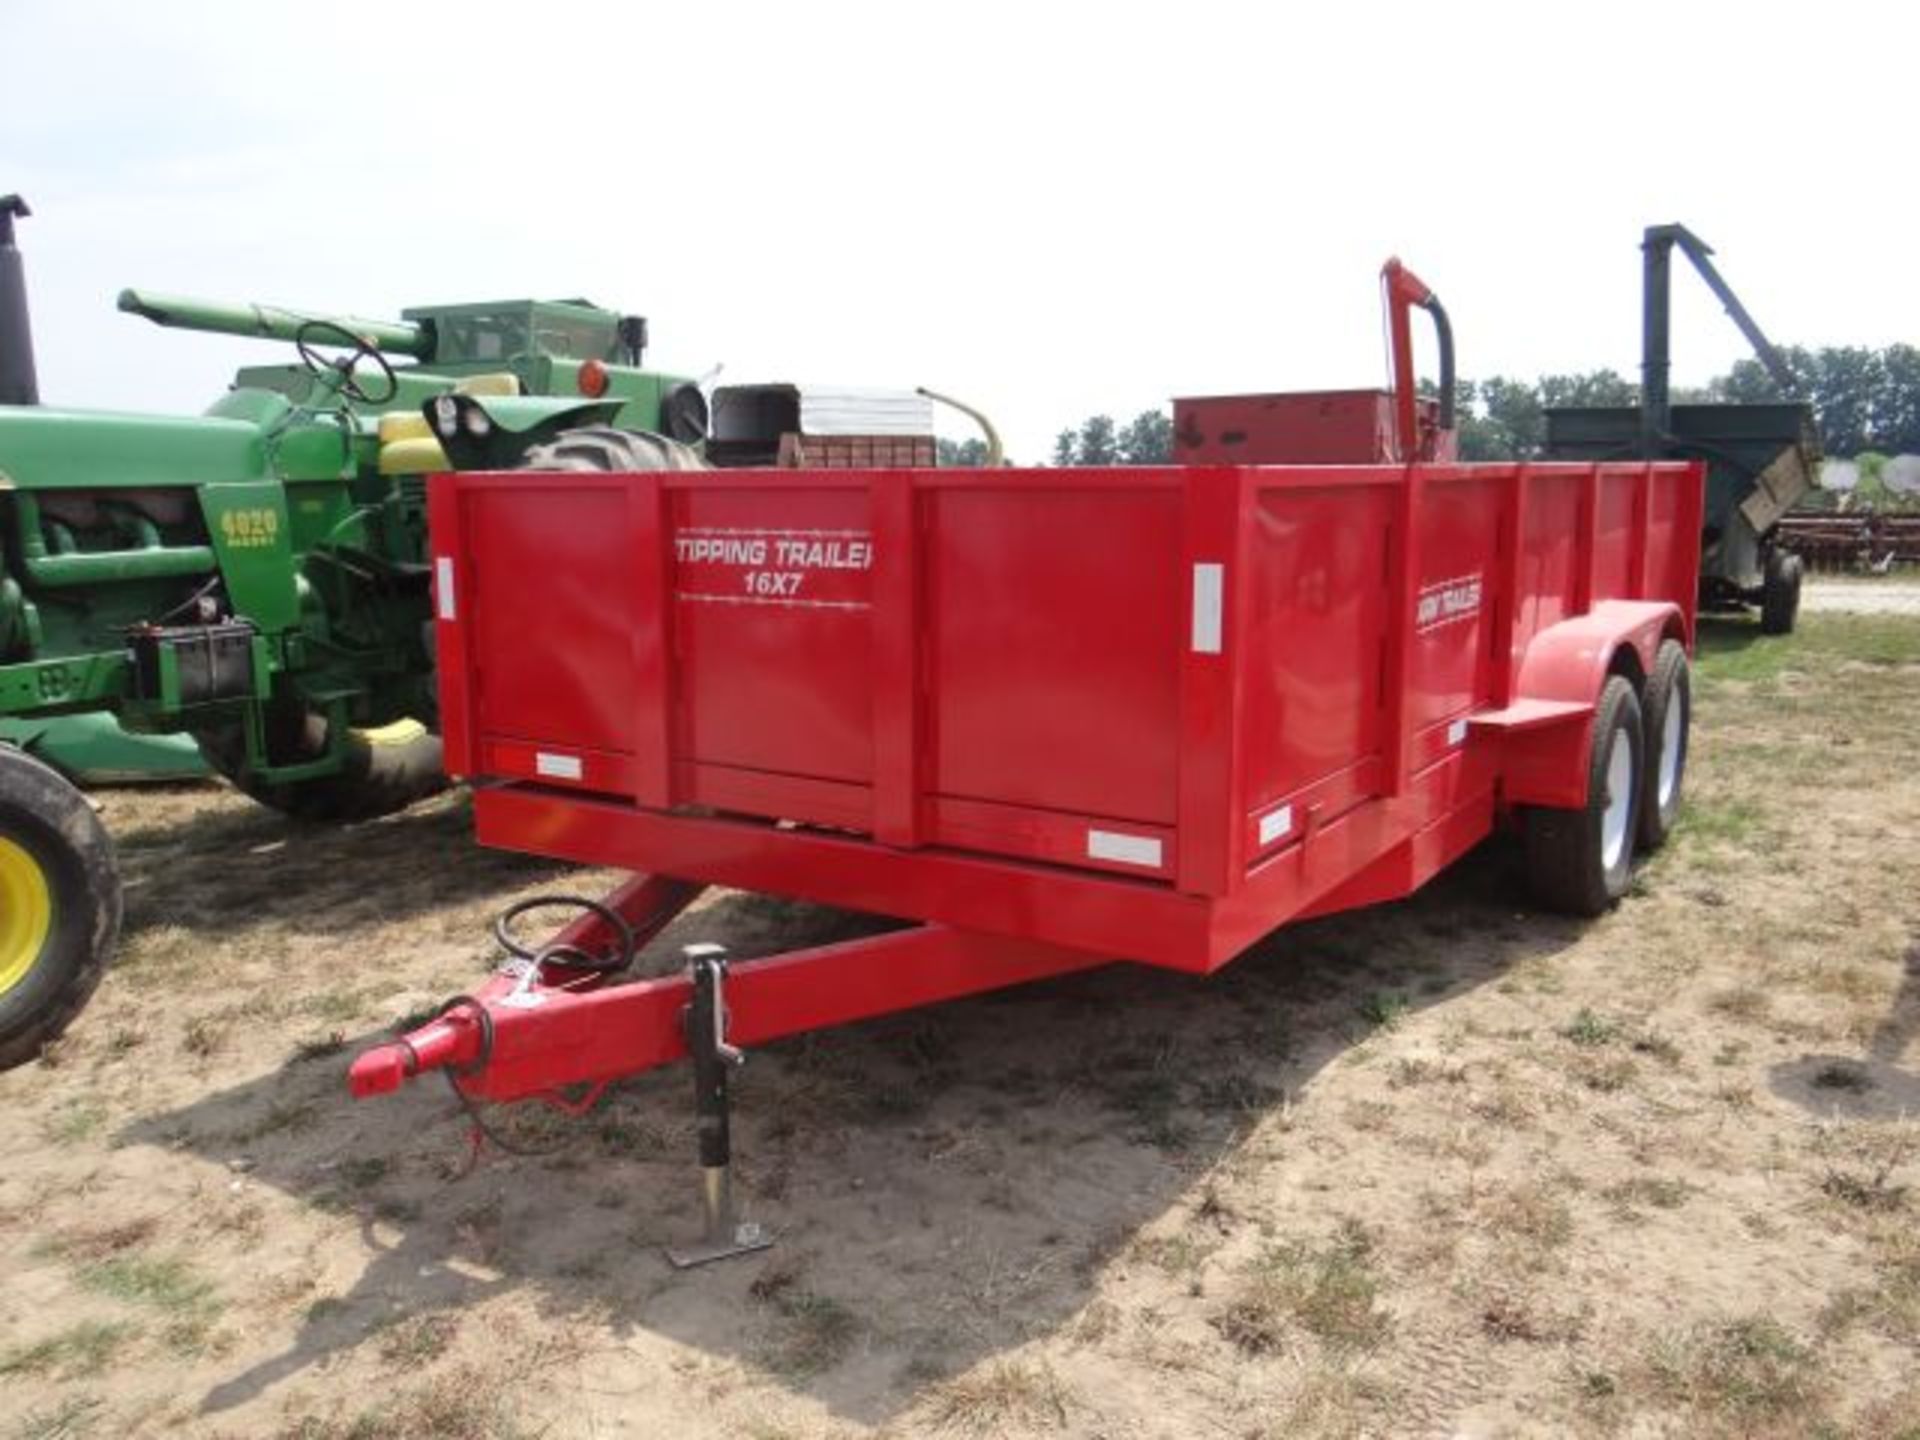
(745, 1240)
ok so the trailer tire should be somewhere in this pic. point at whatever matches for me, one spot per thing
(59, 905)
(1666, 706)
(1579, 861)
(1780, 593)
(384, 770)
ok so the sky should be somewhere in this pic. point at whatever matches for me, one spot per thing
(1049, 210)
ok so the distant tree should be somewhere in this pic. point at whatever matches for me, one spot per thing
(1147, 439)
(1098, 444)
(1863, 400)
(1597, 387)
(1896, 409)
(1514, 426)
(970, 452)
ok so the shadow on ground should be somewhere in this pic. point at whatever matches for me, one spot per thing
(210, 869)
(946, 1183)
(1873, 1086)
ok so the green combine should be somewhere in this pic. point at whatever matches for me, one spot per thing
(256, 577)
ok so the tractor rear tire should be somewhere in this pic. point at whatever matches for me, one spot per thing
(1580, 861)
(383, 772)
(1666, 705)
(59, 905)
(1780, 593)
(606, 450)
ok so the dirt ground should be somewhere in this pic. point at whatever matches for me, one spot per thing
(1449, 1167)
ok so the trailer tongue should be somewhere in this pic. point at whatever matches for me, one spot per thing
(1056, 717)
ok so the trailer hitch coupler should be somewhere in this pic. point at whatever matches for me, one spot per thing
(457, 1039)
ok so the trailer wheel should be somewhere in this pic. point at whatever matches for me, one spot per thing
(384, 770)
(59, 905)
(1780, 593)
(1667, 708)
(1578, 861)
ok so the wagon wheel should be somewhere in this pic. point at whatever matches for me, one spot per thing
(383, 770)
(59, 905)
(1780, 593)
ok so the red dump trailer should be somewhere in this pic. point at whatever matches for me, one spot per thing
(1056, 716)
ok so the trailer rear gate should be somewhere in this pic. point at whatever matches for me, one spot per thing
(1148, 712)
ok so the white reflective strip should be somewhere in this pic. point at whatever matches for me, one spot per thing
(1209, 597)
(1275, 823)
(1456, 732)
(443, 586)
(1126, 849)
(556, 767)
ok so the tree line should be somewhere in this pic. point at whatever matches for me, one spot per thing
(1864, 400)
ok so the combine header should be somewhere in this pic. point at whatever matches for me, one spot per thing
(1055, 717)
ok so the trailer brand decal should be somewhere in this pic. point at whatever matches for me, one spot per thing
(1445, 601)
(805, 569)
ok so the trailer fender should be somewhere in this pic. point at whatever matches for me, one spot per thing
(1547, 730)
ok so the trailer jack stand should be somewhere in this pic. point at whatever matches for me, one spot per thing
(706, 1025)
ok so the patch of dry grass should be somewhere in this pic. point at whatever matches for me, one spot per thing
(1003, 1397)
(1329, 1291)
(1747, 1374)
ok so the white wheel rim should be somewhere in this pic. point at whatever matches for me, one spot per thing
(1673, 731)
(1613, 823)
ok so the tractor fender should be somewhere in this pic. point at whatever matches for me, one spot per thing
(513, 425)
(1562, 673)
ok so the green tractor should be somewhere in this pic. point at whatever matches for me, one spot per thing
(256, 577)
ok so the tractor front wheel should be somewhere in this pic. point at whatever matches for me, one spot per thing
(383, 771)
(59, 905)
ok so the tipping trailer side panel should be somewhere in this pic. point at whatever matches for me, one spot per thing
(1153, 712)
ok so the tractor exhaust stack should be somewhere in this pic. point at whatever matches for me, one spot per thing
(18, 383)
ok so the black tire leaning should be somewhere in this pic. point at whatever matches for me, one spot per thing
(1567, 864)
(1780, 593)
(49, 823)
(383, 771)
(1668, 694)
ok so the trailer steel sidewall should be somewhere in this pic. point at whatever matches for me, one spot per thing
(59, 905)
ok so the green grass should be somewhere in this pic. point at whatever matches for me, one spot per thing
(1734, 650)
(165, 1283)
(76, 1351)
(76, 1121)
(1590, 1029)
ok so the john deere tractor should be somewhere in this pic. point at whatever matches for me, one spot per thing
(256, 576)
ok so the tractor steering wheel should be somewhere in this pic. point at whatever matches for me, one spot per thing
(340, 372)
